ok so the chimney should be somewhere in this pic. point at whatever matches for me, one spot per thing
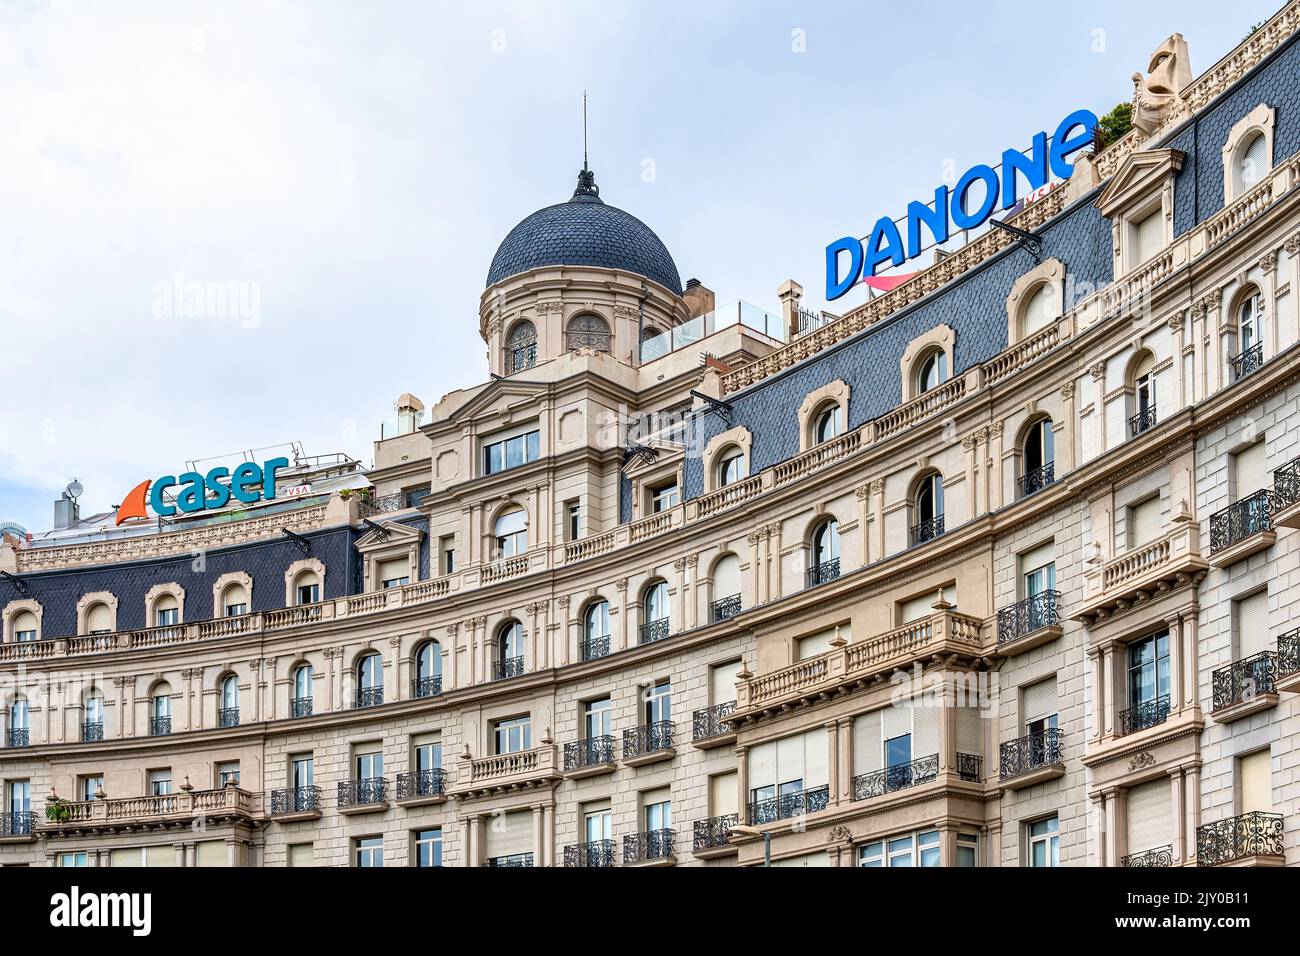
(790, 292)
(699, 298)
(66, 512)
(410, 411)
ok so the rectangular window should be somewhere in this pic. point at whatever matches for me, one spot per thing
(301, 854)
(658, 705)
(301, 771)
(1148, 669)
(664, 497)
(598, 718)
(369, 851)
(426, 752)
(511, 452)
(657, 810)
(393, 573)
(1255, 782)
(572, 520)
(512, 735)
(233, 610)
(1039, 706)
(308, 593)
(1144, 522)
(913, 849)
(597, 823)
(228, 772)
(1044, 843)
(1148, 234)
(73, 859)
(160, 782)
(968, 850)
(369, 764)
(428, 847)
(89, 785)
(447, 552)
(168, 617)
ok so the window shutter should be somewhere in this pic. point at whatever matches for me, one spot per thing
(815, 759)
(160, 856)
(790, 759)
(510, 834)
(1149, 821)
(210, 853)
(819, 643)
(1252, 470)
(722, 682)
(300, 854)
(895, 722)
(866, 743)
(392, 569)
(970, 736)
(925, 731)
(1040, 699)
(1256, 772)
(762, 766)
(1252, 625)
(722, 794)
(1040, 556)
(100, 618)
(1150, 236)
(124, 858)
(1146, 521)
(726, 577)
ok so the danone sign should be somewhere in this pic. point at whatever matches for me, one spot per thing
(248, 483)
(978, 194)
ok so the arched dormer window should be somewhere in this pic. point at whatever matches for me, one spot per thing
(828, 423)
(92, 716)
(731, 466)
(306, 587)
(234, 600)
(824, 552)
(510, 532)
(1248, 152)
(166, 611)
(1142, 397)
(300, 705)
(370, 680)
(931, 370)
(99, 619)
(927, 508)
(1250, 335)
(228, 713)
(656, 621)
(521, 347)
(595, 630)
(510, 650)
(1041, 308)
(1038, 469)
(25, 627)
(588, 331)
(428, 670)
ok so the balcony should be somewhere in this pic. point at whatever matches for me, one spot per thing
(178, 811)
(510, 667)
(296, 803)
(1169, 562)
(92, 731)
(649, 743)
(652, 631)
(17, 737)
(898, 777)
(1243, 528)
(1252, 839)
(926, 530)
(709, 727)
(1035, 480)
(1161, 856)
(160, 726)
(970, 767)
(823, 573)
(724, 609)
(300, 707)
(1288, 662)
(1286, 495)
(1244, 687)
(597, 853)
(713, 836)
(369, 795)
(1032, 759)
(1143, 715)
(652, 848)
(590, 757)
(17, 826)
(1030, 623)
(228, 717)
(370, 696)
(811, 681)
(513, 860)
(788, 805)
(1142, 421)
(594, 648)
(506, 773)
(426, 687)
(1247, 361)
(417, 788)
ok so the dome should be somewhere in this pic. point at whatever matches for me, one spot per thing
(584, 232)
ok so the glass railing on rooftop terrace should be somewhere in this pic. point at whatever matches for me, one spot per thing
(702, 326)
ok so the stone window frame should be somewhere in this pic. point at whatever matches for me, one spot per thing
(642, 599)
(159, 591)
(941, 338)
(914, 489)
(87, 602)
(1261, 119)
(421, 642)
(707, 582)
(717, 446)
(16, 607)
(1049, 272)
(224, 581)
(832, 393)
(1032, 419)
(667, 469)
(1129, 388)
(296, 568)
(1230, 320)
(492, 514)
(402, 540)
(1143, 184)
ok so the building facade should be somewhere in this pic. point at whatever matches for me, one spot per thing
(989, 571)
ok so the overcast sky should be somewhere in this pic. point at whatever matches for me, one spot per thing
(349, 168)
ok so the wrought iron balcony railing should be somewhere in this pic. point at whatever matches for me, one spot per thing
(1286, 484)
(514, 859)
(594, 648)
(714, 832)
(1031, 752)
(17, 737)
(1252, 834)
(712, 721)
(927, 530)
(510, 667)
(296, 800)
(789, 805)
(520, 358)
(1241, 519)
(724, 608)
(1247, 361)
(397, 501)
(426, 686)
(596, 341)
(1037, 479)
(970, 767)
(648, 846)
(898, 777)
(17, 823)
(648, 738)
(160, 726)
(422, 783)
(1245, 679)
(1149, 713)
(1142, 421)
(1160, 856)
(300, 707)
(1024, 617)
(591, 752)
(823, 573)
(228, 717)
(1288, 653)
(92, 731)
(596, 853)
(652, 631)
(370, 696)
(362, 793)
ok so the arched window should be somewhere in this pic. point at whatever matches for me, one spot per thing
(228, 715)
(92, 716)
(824, 553)
(927, 508)
(1250, 341)
(587, 331)
(166, 611)
(428, 669)
(1251, 166)
(655, 619)
(649, 332)
(595, 630)
(25, 626)
(301, 704)
(234, 600)
(827, 423)
(1039, 469)
(160, 710)
(99, 619)
(306, 587)
(510, 650)
(19, 729)
(1042, 307)
(521, 347)
(731, 466)
(726, 589)
(1144, 394)
(932, 370)
(511, 533)
(370, 680)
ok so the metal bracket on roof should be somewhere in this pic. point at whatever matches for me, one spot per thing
(723, 409)
(376, 528)
(303, 544)
(19, 584)
(643, 453)
(1026, 240)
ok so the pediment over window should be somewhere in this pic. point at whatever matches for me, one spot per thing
(399, 536)
(1137, 177)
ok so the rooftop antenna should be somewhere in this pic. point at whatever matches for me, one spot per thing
(584, 130)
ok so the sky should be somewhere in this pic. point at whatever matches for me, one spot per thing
(226, 226)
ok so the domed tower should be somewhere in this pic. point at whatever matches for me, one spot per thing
(578, 275)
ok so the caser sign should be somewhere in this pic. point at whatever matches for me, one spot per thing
(248, 483)
(950, 207)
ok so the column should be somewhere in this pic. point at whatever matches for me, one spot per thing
(232, 853)
(995, 467)
(742, 783)
(947, 731)
(878, 516)
(833, 761)
(1268, 334)
(450, 660)
(539, 842)
(1192, 807)
(992, 844)
(548, 834)
(1099, 693)
(1099, 805)
(1196, 328)
(1191, 687)
(755, 540)
(1108, 682)
(948, 844)
(620, 630)
(863, 494)
(1177, 816)
(191, 854)
(1214, 332)
(1113, 843)
(845, 758)
(472, 856)
(1098, 372)
(1065, 450)
(970, 445)
(1175, 664)
(679, 602)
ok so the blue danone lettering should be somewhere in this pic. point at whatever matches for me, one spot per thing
(248, 483)
(977, 195)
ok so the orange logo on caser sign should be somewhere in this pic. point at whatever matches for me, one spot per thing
(133, 506)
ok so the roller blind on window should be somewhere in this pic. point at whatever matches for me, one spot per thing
(1040, 556)
(808, 859)
(923, 604)
(1252, 470)
(726, 577)
(1252, 625)
(866, 743)
(925, 731)
(122, 858)
(722, 682)
(762, 766)
(1146, 521)
(160, 856)
(722, 794)
(970, 731)
(301, 854)
(211, 853)
(1150, 235)
(510, 834)
(1149, 819)
(1256, 774)
(895, 722)
(100, 618)
(816, 766)
(1040, 699)
(393, 569)
(820, 643)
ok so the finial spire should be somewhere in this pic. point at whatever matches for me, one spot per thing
(587, 190)
(584, 130)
